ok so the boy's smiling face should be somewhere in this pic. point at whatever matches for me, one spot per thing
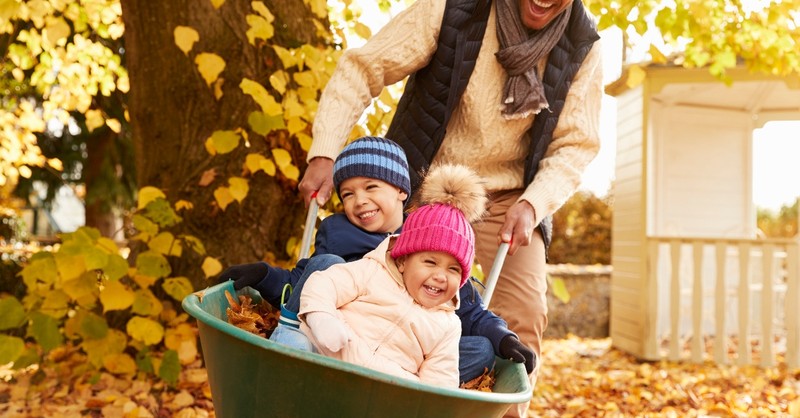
(431, 277)
(372, 205)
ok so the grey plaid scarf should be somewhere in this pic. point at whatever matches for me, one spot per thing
(520, 51)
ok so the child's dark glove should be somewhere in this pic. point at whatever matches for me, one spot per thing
(511, 348)
(244, 275)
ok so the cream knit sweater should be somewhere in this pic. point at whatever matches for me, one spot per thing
(477, 135)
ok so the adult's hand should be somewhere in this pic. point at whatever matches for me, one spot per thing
(318, 178)
(519, 224)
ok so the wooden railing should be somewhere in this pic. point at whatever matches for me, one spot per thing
(723, 273)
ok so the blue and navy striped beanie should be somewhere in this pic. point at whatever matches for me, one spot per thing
(373, 157)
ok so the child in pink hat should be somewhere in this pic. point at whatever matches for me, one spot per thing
(394, 310)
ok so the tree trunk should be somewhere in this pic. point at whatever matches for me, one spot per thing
(173, 112)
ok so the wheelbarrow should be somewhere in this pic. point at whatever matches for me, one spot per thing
(251, 376)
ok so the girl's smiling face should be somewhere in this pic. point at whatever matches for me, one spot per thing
(372, 205)
(431, 277)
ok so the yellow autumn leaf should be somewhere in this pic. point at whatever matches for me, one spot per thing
(239, 188)
(223, 197)
(305, 79)
(260, 28)
(184, 204)
(278, 81)
(146, 303)
(115, 296)
(182, 339)
(284, 162)
(211, 266)
(224, 141)
(120, 363)
(145, 330)
(177, 287)
(261, 96)
(147, 194)
(658, 56)
(185, 37)
(94, 119)
(218, 88)
(69, 267)
(114, 125)
(305, 141)
(286, 56)
(217, 3)
(252, 162)
(210, 66)
(296, 125)
(319, 7)
(636, 76)
(56, 30)
(166, 244)
(268, 166)
(291, 105)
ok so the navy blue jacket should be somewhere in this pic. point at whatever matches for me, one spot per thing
(337, 235)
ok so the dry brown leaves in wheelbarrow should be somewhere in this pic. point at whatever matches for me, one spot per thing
(483, 383)
(259, 319)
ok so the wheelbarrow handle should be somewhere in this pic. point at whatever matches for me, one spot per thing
(494, 273)
(311, 221)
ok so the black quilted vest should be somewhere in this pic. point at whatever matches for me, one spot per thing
(433, 92)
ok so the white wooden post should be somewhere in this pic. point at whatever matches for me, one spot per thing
(675, 301)
(651, 289)
(697, 304)
(744, 304)
(793, 304)
(767, 299)
(720, 335)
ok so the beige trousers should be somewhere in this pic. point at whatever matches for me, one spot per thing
(520, 294)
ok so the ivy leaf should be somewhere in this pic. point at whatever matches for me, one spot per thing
(12, 314)
(177, 287)
(11, 348)
(267, 103)
(224, 142)
(145, 330)
(116, 268)
(166, 244)
(263, 124)
(147, 194)
(116, 296)
(69, 267)
(185, 37)
(210, 66)
(153, 264)
(284, 162)
(42, 268)
(44, 329)
(223, 197)
(239, 188)
(211, 266)
(93, 326)
(260, 28)
(170, 368)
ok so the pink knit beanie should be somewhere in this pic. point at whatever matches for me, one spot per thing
(452, 197)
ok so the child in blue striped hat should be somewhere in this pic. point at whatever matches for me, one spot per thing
(372, 180)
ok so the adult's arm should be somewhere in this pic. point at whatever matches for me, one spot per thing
(401, 47)
(576, 141)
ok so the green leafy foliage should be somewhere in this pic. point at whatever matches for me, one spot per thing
(582, 231)
(780, 224)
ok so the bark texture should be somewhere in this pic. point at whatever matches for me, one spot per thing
(173, 112)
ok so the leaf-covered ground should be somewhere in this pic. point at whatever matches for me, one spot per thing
(579, 378)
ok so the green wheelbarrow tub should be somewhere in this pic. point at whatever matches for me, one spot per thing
(251, 376)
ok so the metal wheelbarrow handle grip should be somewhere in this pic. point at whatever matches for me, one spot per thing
(494, 273)
(311, 221)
